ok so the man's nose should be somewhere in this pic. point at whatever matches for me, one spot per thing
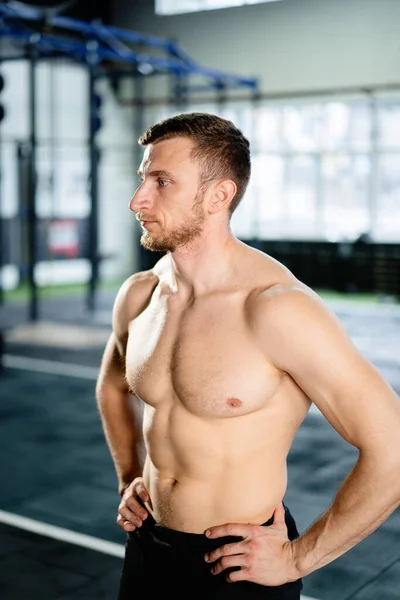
(141, 199)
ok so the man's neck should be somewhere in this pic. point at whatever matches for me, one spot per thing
(204, 267)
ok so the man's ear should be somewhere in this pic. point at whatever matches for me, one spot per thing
(222, 195)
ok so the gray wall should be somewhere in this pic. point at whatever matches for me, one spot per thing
(291, 45)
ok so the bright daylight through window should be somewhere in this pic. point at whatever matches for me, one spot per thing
(174, 7)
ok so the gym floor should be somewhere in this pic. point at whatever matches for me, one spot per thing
(58, 500)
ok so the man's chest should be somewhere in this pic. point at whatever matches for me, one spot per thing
(206, 358)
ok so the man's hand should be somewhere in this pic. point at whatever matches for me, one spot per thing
(131, 512)
(264, 555)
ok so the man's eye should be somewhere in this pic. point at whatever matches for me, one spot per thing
(163, 182)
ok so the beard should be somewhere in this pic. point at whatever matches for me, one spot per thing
(187, 232)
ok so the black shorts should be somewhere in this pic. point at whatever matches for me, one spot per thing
(169, 560)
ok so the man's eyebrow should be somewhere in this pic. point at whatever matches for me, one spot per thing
(158, 173)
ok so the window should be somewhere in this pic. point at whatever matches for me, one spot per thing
(386, 225)
(345, 210)
(175, 7)
(321, 169)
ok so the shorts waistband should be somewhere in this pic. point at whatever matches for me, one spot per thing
(169, 535)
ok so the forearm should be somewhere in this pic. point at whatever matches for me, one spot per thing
(367, 497)
(122, 428)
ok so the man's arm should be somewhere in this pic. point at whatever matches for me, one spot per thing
(309, 343)
(121, 412)
(120, 417)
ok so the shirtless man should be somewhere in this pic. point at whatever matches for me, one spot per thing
(215, 357)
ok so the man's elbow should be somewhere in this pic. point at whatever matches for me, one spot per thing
(383, 463)
(110, 391)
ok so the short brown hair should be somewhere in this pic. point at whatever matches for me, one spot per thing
(221, 148)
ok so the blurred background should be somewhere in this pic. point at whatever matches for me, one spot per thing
(315, 86)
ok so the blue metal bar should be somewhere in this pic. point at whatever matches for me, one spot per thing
(114, 43)
(121, 34)
(93, 30)
(86, 28)
(177, 52)
(7, 12)
(23, 12)
(47, 42)
(44, 44)
(178, 61)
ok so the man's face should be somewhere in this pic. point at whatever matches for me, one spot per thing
(169, 203)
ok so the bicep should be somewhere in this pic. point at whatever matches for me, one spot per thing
(316, 351)
(132, 298)
(112, 367)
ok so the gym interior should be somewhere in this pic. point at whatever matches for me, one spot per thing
(315, 87)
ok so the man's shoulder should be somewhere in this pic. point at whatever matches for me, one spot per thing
(286, 311)
(132, 297)
(137, 285)
(288, 307)
(275, 288)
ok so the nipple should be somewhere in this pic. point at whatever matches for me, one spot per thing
(234, 402)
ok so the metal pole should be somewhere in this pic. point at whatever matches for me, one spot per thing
(2, 341)
(221, 95)
(179, 90)
(32, 180)
(94, 190)
(1, 233)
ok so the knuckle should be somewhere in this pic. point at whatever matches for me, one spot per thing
(121, 511)
(254, 529)
(252, 545)
(139, 486)
(130, 503)
(249, 560)
(138, 512)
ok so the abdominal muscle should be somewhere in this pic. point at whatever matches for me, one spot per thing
(211, 472)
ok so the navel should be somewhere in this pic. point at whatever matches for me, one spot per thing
(234, 402)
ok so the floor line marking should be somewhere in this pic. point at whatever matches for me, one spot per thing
(69, 536)
(60, 533)
(40, 365)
